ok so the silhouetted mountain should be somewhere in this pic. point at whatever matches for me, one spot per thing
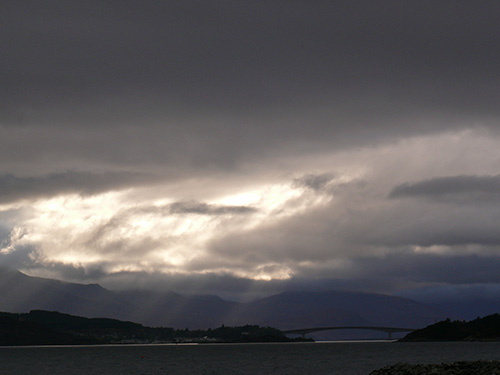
(20, 293)
(289, 310)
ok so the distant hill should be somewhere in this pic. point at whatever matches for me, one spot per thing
(40, 327)
(292, 310)
(289, 310)
(480, 329)
(14, 331)
(338, 308)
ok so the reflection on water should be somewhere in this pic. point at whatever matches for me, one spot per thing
(349, 358)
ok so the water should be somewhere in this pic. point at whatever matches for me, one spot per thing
(355, 358)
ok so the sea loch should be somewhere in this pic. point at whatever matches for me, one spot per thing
(336, 358)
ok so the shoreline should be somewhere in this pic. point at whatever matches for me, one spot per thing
(479, 367)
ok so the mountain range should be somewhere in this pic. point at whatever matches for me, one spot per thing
(288, 310)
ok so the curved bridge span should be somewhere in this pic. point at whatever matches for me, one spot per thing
(388, 330)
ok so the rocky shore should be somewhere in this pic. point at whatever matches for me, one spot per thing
(456, 368)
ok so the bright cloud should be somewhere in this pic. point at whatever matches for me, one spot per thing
(273, 231)
(147, 236)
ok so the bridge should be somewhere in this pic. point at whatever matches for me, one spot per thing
(388, 330)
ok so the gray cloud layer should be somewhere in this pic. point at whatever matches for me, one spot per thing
(208, 209)
(227, 52)
(212, 85)
(191, 101)
(14, 188)
(472, 188)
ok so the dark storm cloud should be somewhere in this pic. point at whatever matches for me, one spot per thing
(107, 62)
(190, 207)
(403, 269)
(421, 224)
(458, 188)
(201, 208)
(4, 236)
(14, 188)
(23, 257)
(325, 184)
(246, 91)
(314, 181)
(196, 87)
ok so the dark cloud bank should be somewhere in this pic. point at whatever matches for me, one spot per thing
(163, 92)
(13, 188)
(465, 188)
(213, 84)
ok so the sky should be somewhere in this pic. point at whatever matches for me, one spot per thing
(243, 147)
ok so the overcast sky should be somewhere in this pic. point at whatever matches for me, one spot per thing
(230, 146)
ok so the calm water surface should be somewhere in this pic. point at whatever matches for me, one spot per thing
(355, 358)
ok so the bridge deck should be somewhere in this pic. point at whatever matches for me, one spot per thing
(388, 330)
